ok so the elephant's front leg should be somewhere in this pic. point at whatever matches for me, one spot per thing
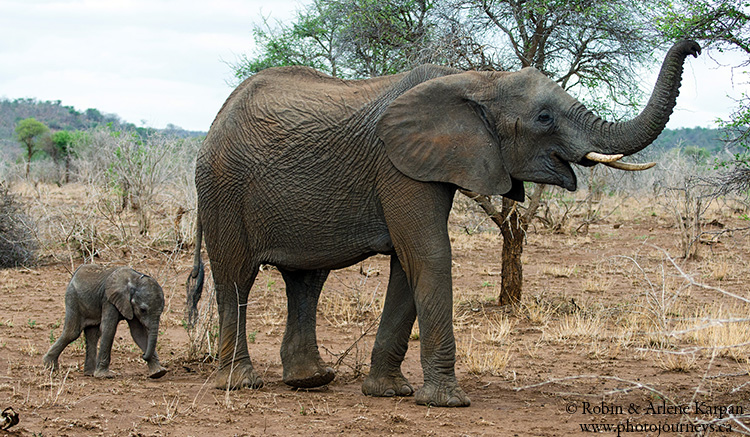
(433, 295)
(303, 366)
(417, 217)
(392, 339)
(108, 328)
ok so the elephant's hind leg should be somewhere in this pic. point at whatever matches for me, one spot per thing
(303, 366)
(71, 331)
(235, 367)
(392, 340)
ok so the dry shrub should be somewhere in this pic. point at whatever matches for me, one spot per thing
(359, 303)
(148, 182)
(130, 195)
(203, 337)
(18, 245)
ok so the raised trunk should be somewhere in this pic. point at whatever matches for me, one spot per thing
(153, 333)
(632, 136)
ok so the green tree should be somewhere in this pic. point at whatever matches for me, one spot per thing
(30, 133)
(62, 150)
(345, 38)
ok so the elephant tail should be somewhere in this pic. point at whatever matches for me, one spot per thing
(195, 280)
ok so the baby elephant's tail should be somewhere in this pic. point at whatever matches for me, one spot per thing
(195, 280)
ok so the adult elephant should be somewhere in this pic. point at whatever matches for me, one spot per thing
(310, 173)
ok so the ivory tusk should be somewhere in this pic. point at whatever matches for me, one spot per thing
(601, 157)
(627, 166)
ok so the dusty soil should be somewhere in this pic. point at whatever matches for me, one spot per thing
(606, 335)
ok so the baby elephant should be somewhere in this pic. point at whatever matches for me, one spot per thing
(96, 300)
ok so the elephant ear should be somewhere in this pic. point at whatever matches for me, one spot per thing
(118, 292)
(437, 131)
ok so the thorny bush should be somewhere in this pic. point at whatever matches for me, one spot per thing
(18, 245)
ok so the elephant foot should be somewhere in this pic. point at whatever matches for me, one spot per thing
(89, 367)
(104, 373)
(442, 395)
(238, 376)
(301, 376)
(157, 373)
(50, 363)
(387, 386)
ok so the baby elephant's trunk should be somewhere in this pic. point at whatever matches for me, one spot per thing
(153, 333)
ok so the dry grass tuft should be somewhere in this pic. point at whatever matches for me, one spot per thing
(560, 271)
(679, 362)
(479, 358)
(170, 412)
(575, 326)
(597, 284)
(722, 334)
(537, 310)
(498, 330)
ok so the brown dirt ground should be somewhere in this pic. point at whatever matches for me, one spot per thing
(547, 382)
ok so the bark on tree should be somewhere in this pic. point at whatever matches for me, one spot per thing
(513, 230)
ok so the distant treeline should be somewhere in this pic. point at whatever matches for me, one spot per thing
(711, 140)
(59, 117)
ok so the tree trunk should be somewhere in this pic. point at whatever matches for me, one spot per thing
(513, 231)
(513, 228)
(28, 163)
(67, 169)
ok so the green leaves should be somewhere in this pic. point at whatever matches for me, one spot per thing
(30, 130)
(344, 38)
(715, 23)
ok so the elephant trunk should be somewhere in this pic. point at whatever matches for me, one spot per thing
(153, 333)
(629, 137)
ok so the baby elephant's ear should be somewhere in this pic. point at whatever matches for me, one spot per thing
(118, 293)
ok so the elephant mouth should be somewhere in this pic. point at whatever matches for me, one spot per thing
(565, 172)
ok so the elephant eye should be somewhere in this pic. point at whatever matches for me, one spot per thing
(544, 118)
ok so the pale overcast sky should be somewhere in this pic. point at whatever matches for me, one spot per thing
(154, 62)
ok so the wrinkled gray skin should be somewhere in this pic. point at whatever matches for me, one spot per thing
(96, 299)
(310, 173)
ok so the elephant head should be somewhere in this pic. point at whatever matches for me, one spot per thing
(487, 131)
(137, 297)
